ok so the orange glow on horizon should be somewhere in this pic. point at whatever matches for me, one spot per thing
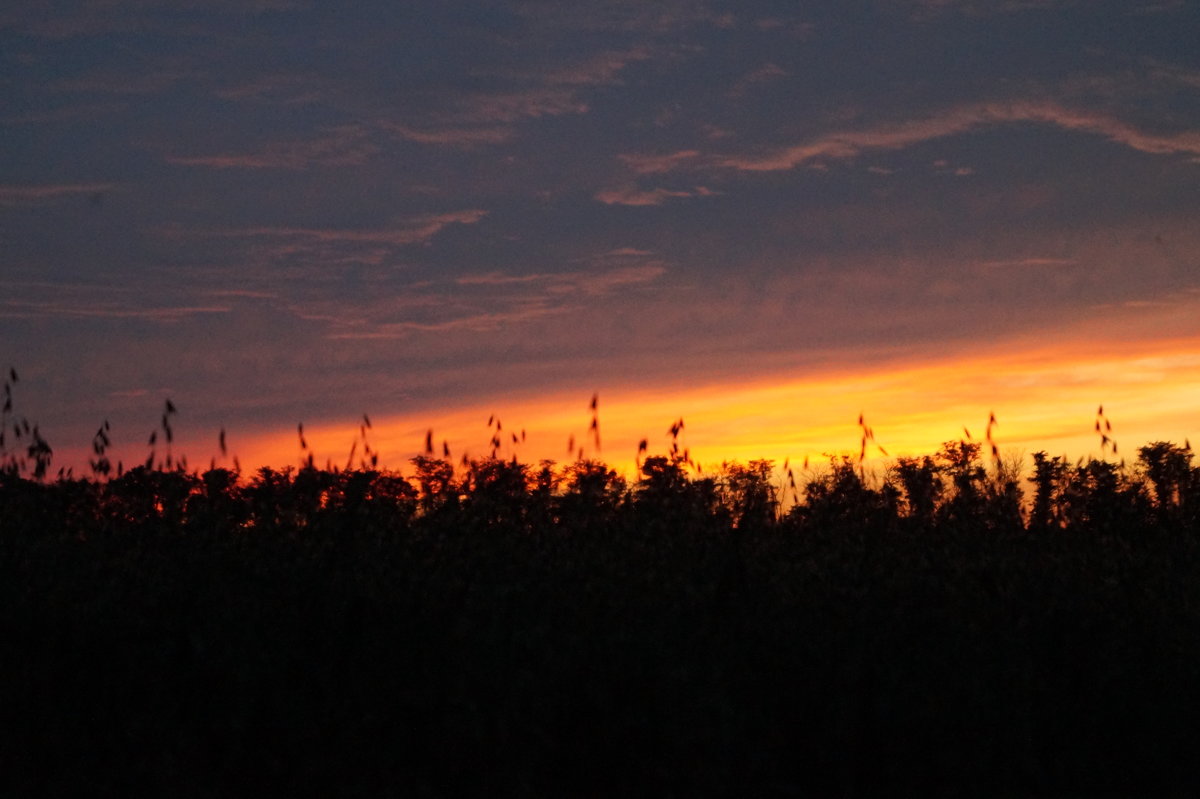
(1044, 397)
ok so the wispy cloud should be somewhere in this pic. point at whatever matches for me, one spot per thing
(600, 280)
(312, 254)
(66, 113)
(241, 294)
(532, 103)
(623, 16)
(452, 136)
(415, 230)
(491, 301)
(347, 145)
(796, 29)
(100, 17)
(1030, 263)
(848, 144)
(17, 196)
(23, 309)
(1166, 7)
(150, 299)
(597, 70)
(501, 279)
(547, 91)
(1175, 74)
(764, 74)
(644, 164)
(471, 322)
(632, 195)
(124, 83)
(284, 89)
(608, 281)
(979, 8)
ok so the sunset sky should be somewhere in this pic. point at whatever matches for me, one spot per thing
(762, 217)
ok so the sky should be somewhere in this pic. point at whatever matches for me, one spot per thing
(764, 218)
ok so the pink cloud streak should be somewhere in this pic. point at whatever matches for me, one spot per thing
(416, 230)
(348, 145)
(631, 195)
(34, 195)
(33, 310)
(847, 144)
(464, 137)
(655, 164)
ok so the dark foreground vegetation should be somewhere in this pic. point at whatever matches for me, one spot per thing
(945, 628)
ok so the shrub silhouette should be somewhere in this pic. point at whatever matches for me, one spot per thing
(840, 499)
(922, 489)
(749, 495)
(1174, 480)
(666, 499)
(496, 493)
(438, 490)
(593, 494)
(1049, 480)
(1100, 498)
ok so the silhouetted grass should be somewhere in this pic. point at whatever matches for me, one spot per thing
(504, 629)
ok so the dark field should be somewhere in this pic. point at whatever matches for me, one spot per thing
(506, 630)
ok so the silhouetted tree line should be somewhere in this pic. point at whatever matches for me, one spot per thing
(952, 489)
(945, 626)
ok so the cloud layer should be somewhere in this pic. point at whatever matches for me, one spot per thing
(289, 208)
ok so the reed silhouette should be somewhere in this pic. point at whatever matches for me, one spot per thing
(512, 629)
